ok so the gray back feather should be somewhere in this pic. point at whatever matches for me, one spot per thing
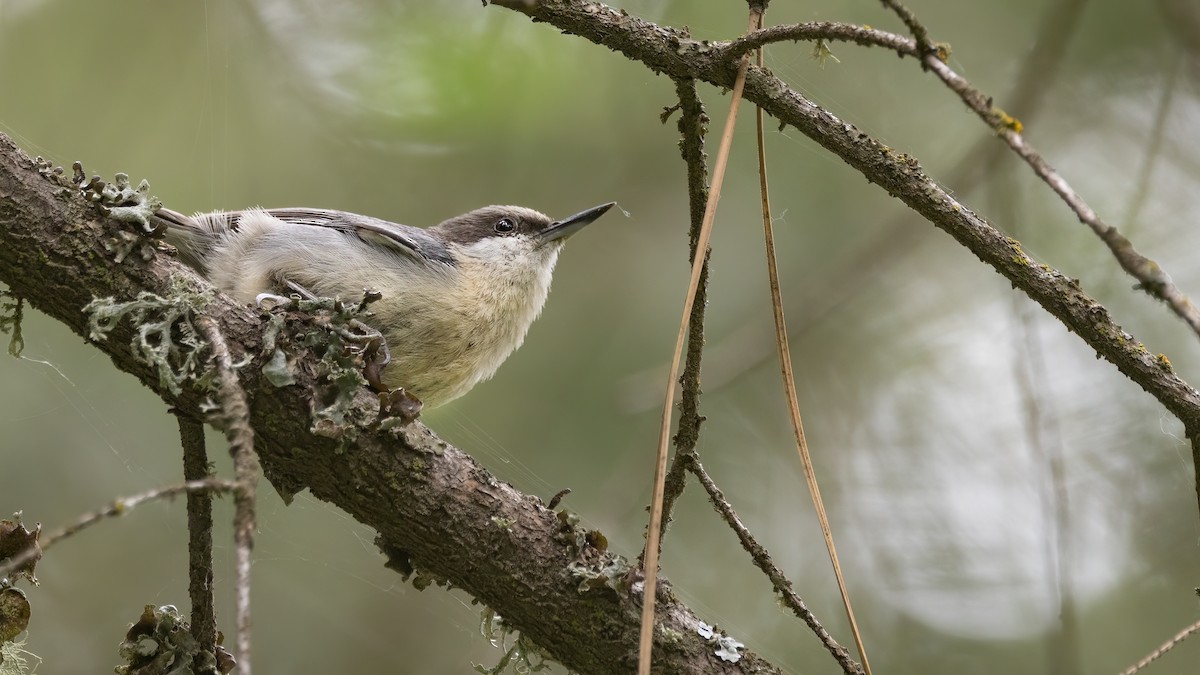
(196, 236)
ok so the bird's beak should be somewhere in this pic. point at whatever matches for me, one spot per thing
(561, 229)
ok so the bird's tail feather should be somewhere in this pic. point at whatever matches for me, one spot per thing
(196, 235)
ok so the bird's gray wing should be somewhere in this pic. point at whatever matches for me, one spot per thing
(411, 241)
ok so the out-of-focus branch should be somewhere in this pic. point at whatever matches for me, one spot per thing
(1154, 144)
(1043, 438)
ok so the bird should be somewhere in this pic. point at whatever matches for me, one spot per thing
(457, 298)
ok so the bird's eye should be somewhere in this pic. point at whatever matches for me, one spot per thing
(505, 225)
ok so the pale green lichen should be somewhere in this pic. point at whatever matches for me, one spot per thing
(728, 649)
(119, 199)
(124, 243)
(331, 330)
(822, 53)
(161, 642)
(609, 572)
(15, 660)
(164, 336)
(671, 636)
(517, 658)
(278, 371)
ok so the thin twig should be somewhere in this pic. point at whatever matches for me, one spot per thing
(789, 384)
(762, 558)
(1163, 649)
(200, 526)
(830, 31)
(915, 27)
(650, 553)
(1035, 77)
(1150, 276)
(693, 124)
(117, 507)
(235, 421)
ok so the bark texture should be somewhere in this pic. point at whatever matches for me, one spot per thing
(434, 507)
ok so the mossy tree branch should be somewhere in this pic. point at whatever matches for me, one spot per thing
(433, 506)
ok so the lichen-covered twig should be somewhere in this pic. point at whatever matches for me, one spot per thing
(117, 507)
(1151, 278)
(829, 31)
(693, 124)
(235, 422)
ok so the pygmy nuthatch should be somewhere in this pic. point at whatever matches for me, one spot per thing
(457, 297)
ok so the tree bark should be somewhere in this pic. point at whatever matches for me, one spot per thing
(433, 506)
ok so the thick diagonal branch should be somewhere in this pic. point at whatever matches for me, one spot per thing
(434, 507)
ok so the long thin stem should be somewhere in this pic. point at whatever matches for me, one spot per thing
(200, 527)
(789, 386)
(235, 418)
(692, 127)
(650, 554)
(118, 507)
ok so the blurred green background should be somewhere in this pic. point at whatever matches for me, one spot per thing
(916, 364)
